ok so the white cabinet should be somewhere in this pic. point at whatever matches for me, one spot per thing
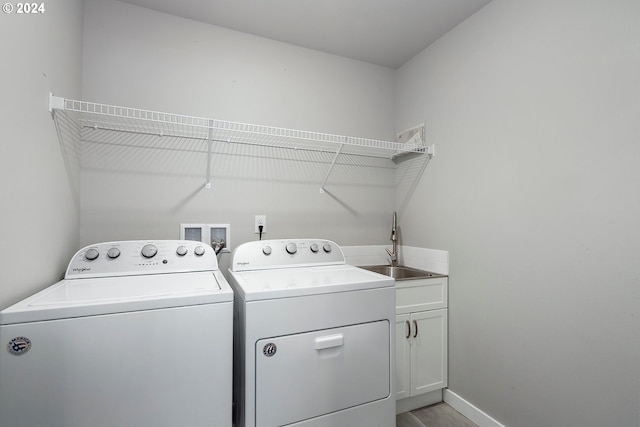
(421, 336)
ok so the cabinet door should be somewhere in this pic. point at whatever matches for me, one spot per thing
(403, 356)
(428, 351)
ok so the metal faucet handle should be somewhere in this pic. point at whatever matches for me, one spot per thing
(393, 258)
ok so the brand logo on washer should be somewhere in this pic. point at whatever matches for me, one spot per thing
(19, 345)
(269, 349)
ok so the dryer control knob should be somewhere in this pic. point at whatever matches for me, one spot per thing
(149, 251)
(266, 250)
(199, 250)
(291, 248)
(91, 254)
(181, 250)
(113, 253)
(314, 247)
(326, 247)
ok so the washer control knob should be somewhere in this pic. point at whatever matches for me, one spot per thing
(91, 254)
(181, 250)
(266, 250)
(314, 247)
(291, 248)
(113, 253)
(149, 251)
(326, 247)
(199, 250)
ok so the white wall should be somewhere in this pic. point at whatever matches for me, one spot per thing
(40, 53)
(534, 108)
(140, 58)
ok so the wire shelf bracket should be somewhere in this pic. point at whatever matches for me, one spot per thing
(333, 163)
(207, 183)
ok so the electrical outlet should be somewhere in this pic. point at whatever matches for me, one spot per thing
(261, 220)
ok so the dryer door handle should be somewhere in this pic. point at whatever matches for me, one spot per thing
(329, 341)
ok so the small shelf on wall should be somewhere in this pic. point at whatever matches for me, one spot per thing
(90, 117)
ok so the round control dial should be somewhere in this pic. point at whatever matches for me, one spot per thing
(291, 248)
(326, 247)
(113, 253)
(181, 250)
(314, 247)
(91, 254)
(199, 250)
(266, 250)
(149, 251)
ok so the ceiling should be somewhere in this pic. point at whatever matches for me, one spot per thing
(383, 32)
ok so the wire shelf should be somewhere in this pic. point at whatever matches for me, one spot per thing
(94, 116)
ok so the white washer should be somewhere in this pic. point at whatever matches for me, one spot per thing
(314, 337)
(139, 333)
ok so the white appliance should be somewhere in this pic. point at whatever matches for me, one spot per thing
(314, 337)
(138, 333)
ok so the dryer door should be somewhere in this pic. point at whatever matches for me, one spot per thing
(306, 375)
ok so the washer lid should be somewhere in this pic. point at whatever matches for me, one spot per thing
(292, 282)
(107, 295)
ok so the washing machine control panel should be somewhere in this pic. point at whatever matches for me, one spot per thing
(267, 254)
(137, 257)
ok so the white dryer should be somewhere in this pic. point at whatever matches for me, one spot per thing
(314, 337)
(138, 333)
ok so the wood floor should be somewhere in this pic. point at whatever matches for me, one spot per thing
(438, 415)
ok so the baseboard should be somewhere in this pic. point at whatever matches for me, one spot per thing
(475, 414)
(420, 401)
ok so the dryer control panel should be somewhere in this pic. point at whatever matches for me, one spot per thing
(137, 257)
(270, 254)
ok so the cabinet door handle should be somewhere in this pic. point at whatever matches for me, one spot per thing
(416, 325)
(408, 329)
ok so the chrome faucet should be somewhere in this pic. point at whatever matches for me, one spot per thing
(394, 241)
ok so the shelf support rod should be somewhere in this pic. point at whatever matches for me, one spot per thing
(207, 183)
(333, 163)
